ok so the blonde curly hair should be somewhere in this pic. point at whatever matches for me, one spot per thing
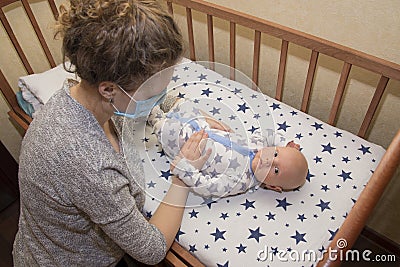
(122, 41)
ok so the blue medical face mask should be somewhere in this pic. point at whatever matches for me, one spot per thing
(143, 107)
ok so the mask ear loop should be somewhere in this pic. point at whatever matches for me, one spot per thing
(111, 102)
(125, 92)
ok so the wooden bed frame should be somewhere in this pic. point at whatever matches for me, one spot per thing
(359, 214)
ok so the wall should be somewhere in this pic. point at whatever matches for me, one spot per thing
(372, 27)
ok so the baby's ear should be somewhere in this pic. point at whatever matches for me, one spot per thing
(273, 187)
(293, 145)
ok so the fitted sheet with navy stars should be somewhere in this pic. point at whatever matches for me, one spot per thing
(262, 227)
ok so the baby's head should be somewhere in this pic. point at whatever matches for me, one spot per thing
(280, 168)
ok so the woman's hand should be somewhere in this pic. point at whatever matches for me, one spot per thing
(192, 150)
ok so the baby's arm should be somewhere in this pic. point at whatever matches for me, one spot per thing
(276, 139)
(215, 124)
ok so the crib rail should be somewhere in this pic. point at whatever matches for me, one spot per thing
(366, 202)
(16, 113)
(350, 57)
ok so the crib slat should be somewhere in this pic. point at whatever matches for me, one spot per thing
(190, 33)
(173, 260)
(170, 8)
(309, 81)
(232, 44)
(210, 28)
(38, 32)
(339, 92)
(18, 115)
(15, 42)
(185, 255)
(380, 89)
(53, 8)
(232, 49)
(8, 91)
(343, 53)
(256, 56)
(282, 69)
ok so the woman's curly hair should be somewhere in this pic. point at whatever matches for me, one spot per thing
(122, 41)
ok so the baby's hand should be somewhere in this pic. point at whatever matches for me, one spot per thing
(215, 124)
(293, 144)
(192, 150)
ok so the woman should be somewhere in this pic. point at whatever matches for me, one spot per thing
(80, 205)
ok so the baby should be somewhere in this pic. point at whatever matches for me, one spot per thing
(236, 163)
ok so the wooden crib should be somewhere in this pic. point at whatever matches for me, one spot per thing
(356, 219)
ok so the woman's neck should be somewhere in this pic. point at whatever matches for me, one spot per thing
(89, 97)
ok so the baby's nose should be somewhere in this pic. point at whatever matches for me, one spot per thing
(266, 162)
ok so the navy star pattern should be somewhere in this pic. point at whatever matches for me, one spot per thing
(218, 234)
(283, 203)
(299, 237)
(270, 216)
(241, 248)
(166, 174)
(248, 204)
(243, 107)
(207, 92)
(283, 126)
(328, 148)
(364, 149)
(179, 234)
(193, 213)
(345, 175)
(227, 231)
(256, 234)
(226, 264)
(323, 205)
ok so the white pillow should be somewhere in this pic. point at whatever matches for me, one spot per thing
(44, 85)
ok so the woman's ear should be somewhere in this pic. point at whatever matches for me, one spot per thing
(107, 89)
(273, 187)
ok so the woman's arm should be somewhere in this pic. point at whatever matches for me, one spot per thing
(168, 216)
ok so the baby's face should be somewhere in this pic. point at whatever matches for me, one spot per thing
(264, 163)
(283, 167)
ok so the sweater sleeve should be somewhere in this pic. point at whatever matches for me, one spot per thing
(106, 198)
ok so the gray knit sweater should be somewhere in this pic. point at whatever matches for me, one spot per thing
(80, 203)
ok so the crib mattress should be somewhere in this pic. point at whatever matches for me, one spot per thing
(262, 227)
